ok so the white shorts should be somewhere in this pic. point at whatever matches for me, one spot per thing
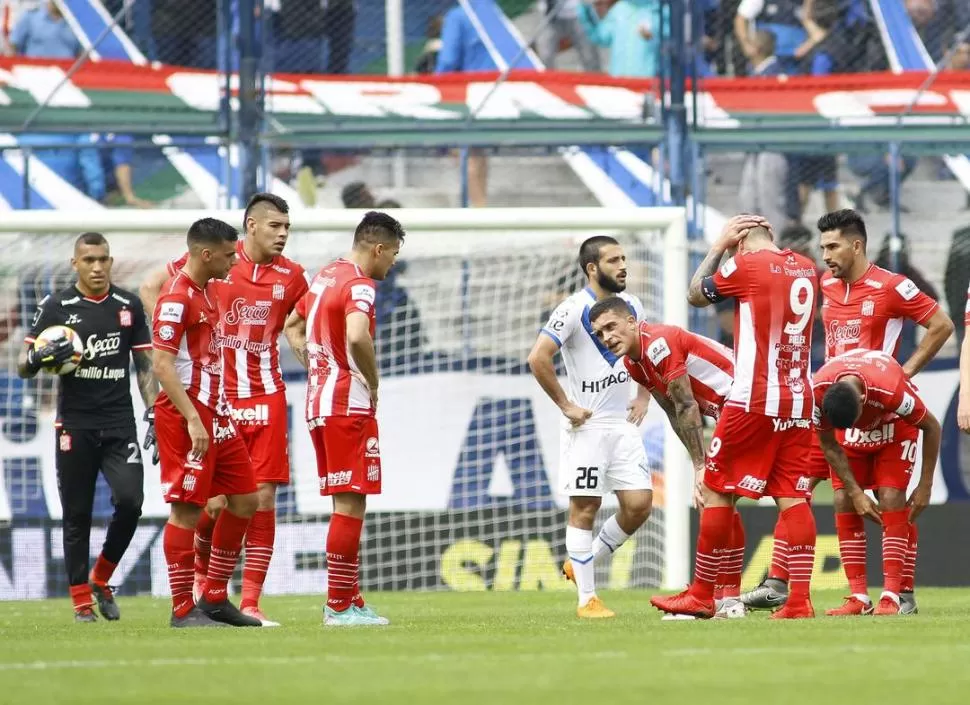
(596, 461)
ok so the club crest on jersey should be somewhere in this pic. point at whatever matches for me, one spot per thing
(279, 291)
(372, 448)
(65, 442)
(124, 318)
(868, 307)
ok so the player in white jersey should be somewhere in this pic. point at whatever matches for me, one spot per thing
(601, 450)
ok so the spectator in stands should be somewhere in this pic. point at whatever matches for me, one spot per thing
(357, 195)
(79, 166)
(874, 170)
(429, 55)
(43, 33)
(185, 32)
(923, 13)
(398, 321)
(340, 22)
(904, 266)
(960, 57)
(387, 204)
(299, 28)
(564, 25)
(462, 50)
(764, 173)
(117, 164)
(780, 17)
(631, 30)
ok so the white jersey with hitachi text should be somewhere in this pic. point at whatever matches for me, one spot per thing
(596, 378)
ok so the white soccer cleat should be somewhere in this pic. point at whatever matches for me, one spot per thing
(731, 608)
(677, 617)
(256, 613)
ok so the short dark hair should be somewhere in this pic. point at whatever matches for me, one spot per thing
(613, 304)
(210, 231)
(357, 195)
(589, 251)
(388, 203)
(847, 221)
(271, 198)
(90, 238)
(378, 227)
(840, 405)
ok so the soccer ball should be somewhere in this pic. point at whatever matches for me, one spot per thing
(49, 335)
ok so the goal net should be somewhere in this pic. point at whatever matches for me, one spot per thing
(470, 444)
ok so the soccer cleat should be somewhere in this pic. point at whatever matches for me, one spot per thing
(368, 612)
(567, 571)
(852, 607)
(770, 594)
(887, 607)
(227, 613)
(730, 608)
(684, 603)
(85, 614)
(907, 603)
(106, 602)
(256, 613)
(195, 618)
(351, 617)
(594, 609)
(795, 610)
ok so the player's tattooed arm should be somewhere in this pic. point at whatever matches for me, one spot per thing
(688, 415)
(147, 384)
(295, 332)
(695, 294)
(835, 456)
(938, 330)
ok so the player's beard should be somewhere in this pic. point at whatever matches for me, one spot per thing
(608, 283)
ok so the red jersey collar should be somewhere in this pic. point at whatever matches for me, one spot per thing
(241, 253)
(92, 299)
(190, 280)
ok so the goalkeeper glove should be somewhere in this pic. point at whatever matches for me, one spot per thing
(53, 354)
(151, 441)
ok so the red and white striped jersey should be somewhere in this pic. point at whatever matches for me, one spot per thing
(888, 392)
(668, 352)
(254, 301)
(775, 296)
(868, 314)
(184, 323)
(335, 386)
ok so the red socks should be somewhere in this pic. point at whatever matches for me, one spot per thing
(203, 543)
(81, 597)
(226, 543)
(909, 568)
(343, 546)
(177, 543)
(852, 548)
(259, 551)
(103, 570)
(712, 545)
(779, 554)
(895, 542)
(729, 573)
(800, 528)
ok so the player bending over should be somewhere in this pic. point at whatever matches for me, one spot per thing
(963, 407)
(867, 393)
(690, 377)
(200, 452)
(262, 288)
(331, 331)
(600, 448)
(865, 307)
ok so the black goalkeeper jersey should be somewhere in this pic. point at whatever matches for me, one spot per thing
(96, 395)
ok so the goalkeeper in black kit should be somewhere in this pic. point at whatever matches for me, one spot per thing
(95, 426)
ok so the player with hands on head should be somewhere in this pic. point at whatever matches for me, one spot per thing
(601, 450)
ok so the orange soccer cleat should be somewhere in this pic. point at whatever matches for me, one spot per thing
(887, 607)
(795, 610)
(567, 571)
(684, 603)
(852, 607)
(594, 609)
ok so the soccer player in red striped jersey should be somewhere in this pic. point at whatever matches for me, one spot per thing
(864, 307)
(763, 433)
(332, 332)
(262, 288)
(690, 376)
(200, 453)
(862, 393)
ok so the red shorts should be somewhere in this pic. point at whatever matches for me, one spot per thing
(262, 423)
(348, 454)
(817, 467)
(225, 468)
(750, 458)
(883, 457)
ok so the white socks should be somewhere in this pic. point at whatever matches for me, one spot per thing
(610, 538)
(579, 547)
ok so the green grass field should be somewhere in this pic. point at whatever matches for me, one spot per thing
(472, 648)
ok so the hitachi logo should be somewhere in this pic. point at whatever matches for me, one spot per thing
(601, 384)
(786, 424)
(877, 436)
(258, 414)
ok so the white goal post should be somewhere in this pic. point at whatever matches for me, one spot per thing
(479, 282)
